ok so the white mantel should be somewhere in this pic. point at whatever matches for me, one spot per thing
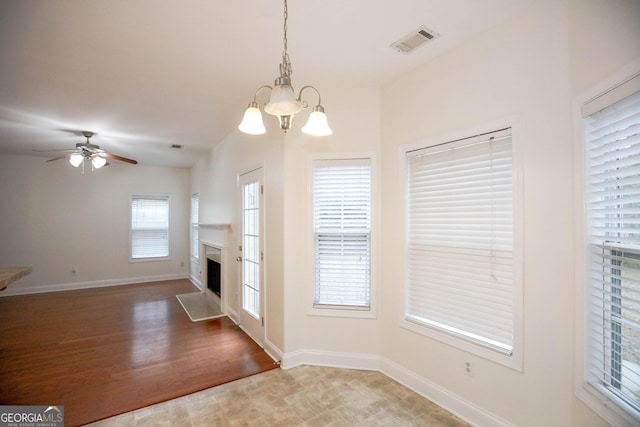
(218, 238)
(215, 235)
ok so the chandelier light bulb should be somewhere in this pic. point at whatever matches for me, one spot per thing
(252, 121)
(317, 124)
(282, 101)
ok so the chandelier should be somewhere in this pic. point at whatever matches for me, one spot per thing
(282, 102)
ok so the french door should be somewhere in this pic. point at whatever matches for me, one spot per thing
(252, 283)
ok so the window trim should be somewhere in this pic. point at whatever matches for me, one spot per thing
(130, 242)
(607, 92)
(195, 255)
(333, 311)
(515, 360)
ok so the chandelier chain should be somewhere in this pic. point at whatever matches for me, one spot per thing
(286, 63)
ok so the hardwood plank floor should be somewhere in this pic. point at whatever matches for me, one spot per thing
(105, 351)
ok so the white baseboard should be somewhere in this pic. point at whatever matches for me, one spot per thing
(427, 389)
(196, 282)
(273, 351)
(336, 360)
(58, 287)
(441, 396)
(233, 315)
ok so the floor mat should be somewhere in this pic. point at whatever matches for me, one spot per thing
(200, 306)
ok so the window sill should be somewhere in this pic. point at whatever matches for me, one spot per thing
(134, 260)
(512, 361)
(343, 312)
(609, 409)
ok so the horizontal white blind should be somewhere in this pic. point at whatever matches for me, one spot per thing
(342, 233)
(149, 227)
(460, 277)
(195, 202)
(612, 149)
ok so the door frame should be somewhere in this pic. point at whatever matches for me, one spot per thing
(255, 328)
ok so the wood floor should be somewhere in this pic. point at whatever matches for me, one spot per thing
(105, 351)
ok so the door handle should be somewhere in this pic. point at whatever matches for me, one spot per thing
(238, 258)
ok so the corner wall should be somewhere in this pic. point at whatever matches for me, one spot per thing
(215, 180)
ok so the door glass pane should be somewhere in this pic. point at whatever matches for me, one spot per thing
(251, 249)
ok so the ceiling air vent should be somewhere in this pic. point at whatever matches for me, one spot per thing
(414, 39)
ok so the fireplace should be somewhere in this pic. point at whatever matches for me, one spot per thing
(214, 262)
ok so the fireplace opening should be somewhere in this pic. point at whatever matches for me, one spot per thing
(213, 273)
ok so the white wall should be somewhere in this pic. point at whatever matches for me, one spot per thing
(288, 252)
(353, 114)
(56, 219)
(215, 179)
(605, 48)
(604, 37)
(520, 69)
(524, 70)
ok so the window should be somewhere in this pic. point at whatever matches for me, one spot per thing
(195, 249)
(462, 282)
(342, 234)
(149, 227)
(612, 178)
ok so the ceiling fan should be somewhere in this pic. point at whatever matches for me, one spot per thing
(90, 152)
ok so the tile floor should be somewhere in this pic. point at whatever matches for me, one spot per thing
(303, 396)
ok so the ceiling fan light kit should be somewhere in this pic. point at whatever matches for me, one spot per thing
(283, 103)
(88, 152)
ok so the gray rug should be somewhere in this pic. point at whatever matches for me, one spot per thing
(200, 306)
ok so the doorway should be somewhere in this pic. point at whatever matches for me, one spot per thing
(252, 275)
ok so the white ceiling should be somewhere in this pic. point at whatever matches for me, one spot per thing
(146, 74)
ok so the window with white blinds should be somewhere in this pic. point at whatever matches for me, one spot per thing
(195, 242)
(612, 149)
(342, 233)
(460, 277)
(149, 227)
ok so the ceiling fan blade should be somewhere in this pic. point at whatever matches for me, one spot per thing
(66, 156)
(55, 149)
(116, 157)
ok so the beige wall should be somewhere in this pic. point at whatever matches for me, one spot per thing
(56, 219)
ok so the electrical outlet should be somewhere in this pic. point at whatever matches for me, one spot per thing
(467, 369)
